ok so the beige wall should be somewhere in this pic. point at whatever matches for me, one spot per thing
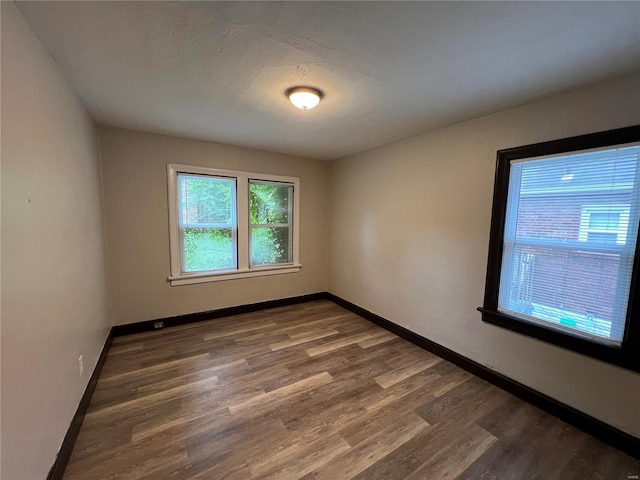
(135, 192)
(54, 294)
(409, 238)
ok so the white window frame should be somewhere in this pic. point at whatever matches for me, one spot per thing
(620, 231)
(244, 268)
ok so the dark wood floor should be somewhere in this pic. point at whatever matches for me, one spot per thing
(314, 392)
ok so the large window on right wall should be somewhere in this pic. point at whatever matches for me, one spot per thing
(564, 244)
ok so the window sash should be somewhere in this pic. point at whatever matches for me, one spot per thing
(185, 224)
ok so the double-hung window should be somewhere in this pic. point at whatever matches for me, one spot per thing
(271, 222)
(564, 244)
(227, 224)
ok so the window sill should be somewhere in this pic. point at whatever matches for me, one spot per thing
(610, 354)
(178, 280)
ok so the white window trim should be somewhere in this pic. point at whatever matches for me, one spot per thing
(623, 226)
(244, 270)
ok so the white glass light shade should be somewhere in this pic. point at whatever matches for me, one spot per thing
(304, 97)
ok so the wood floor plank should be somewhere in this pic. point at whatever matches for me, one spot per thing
(234, 461)
(342, 342)
(298, 459)
(405, 459)
(365, 454)
(457, 401)
(377, 340)
(519, 432)
(141, 372)
(397, 392)
(192, 422)
(320, 324)
(291, 342)
(119, 349)
(88, 444)
(131, 406)
(609, 464)
(314, 392)
(187, 378)
(135, 468)
(274, 396)
(325, 411)
(397, 376)
(371, 422)
(229, 332)
(456, 457)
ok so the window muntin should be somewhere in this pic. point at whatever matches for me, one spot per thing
(209, 210)
(568, 248)
(207, 224)
(270, 228)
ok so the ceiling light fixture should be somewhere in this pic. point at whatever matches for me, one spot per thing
(304, 97)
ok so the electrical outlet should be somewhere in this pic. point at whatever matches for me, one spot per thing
(81, 364)
(158, 325)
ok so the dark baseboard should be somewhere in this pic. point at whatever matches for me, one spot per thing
(57, 470)
(129, 328)
(600, 430)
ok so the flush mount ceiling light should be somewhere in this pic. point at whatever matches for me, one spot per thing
(304, 97)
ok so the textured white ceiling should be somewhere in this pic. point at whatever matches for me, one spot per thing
(218, 70)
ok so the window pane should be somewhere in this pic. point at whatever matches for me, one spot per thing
(604, 221)
(270, 203)
(568, 252)
(208, 249)
(207, 218)
(270, 245)
(206, 201)
(602, 237)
